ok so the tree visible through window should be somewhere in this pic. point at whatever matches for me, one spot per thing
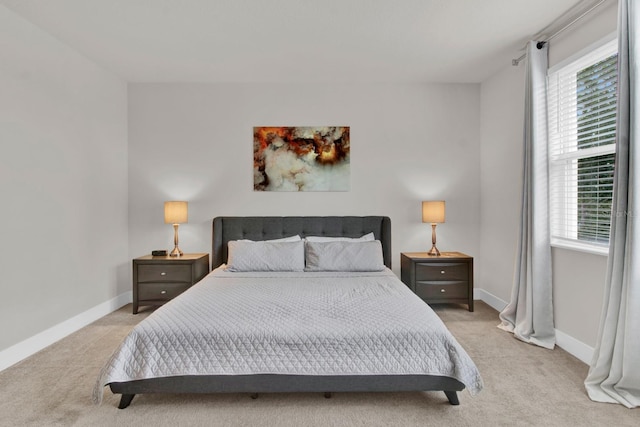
(595, 195)
(582, 129)
(596, 95)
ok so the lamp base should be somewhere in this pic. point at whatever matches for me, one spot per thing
(176, 252)
(434, 251)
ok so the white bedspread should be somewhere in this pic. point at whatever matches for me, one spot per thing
(291, 323)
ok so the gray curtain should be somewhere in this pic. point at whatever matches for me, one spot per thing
(614, 375)
(529, 314)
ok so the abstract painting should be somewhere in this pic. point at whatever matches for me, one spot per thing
(301, 158)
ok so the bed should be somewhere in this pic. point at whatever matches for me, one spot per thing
(325, 330)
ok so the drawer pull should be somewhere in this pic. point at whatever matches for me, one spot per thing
(164, 292)
(163, 274)
(441, 271)
(442, 290)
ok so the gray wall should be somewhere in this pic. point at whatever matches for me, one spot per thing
(578, 277)
(502, 119)
(409, 143)
(63, 182)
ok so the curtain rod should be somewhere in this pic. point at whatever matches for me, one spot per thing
(516, 62)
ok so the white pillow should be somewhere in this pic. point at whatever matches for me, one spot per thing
(366, 238)
(295, 238)
(265, 256)
(344, 256)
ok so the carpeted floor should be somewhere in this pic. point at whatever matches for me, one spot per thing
(524, 386)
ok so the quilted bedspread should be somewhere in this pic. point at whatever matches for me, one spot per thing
(306, 323)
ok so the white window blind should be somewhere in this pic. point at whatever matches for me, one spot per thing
(582, 130)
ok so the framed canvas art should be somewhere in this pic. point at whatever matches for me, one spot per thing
(301, 158)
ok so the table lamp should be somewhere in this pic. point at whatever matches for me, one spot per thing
(176, 213)
(433, 212)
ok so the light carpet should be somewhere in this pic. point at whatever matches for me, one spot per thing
(524, 386)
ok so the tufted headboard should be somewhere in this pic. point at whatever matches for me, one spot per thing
(226, 228)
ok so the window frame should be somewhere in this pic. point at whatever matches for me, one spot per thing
(567, 242)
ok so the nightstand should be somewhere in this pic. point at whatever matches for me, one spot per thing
(439, 279)
(158, 279)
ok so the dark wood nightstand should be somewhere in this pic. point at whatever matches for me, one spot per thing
(439, 279)
(158, 279)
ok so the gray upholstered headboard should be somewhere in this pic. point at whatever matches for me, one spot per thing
(226, 228)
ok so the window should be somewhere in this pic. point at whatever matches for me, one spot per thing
(582, 130)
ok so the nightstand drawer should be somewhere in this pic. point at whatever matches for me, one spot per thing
(164, 273)
(442, 289)
(447, 278)
(442, 271)
(158, 279)
(161, 291)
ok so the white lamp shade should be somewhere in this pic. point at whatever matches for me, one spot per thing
(433, 211)
(176, 212)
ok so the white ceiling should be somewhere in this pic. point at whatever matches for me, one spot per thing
(295, 40)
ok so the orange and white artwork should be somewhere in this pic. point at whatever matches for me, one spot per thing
(301, 158)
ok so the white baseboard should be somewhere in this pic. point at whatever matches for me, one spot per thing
(495, 302)
(574, 347)
(568, 343)
(26, 348)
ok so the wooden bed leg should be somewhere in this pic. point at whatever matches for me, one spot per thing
(453, 397)
(327, 395)
(125, 400)
(254, 396)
